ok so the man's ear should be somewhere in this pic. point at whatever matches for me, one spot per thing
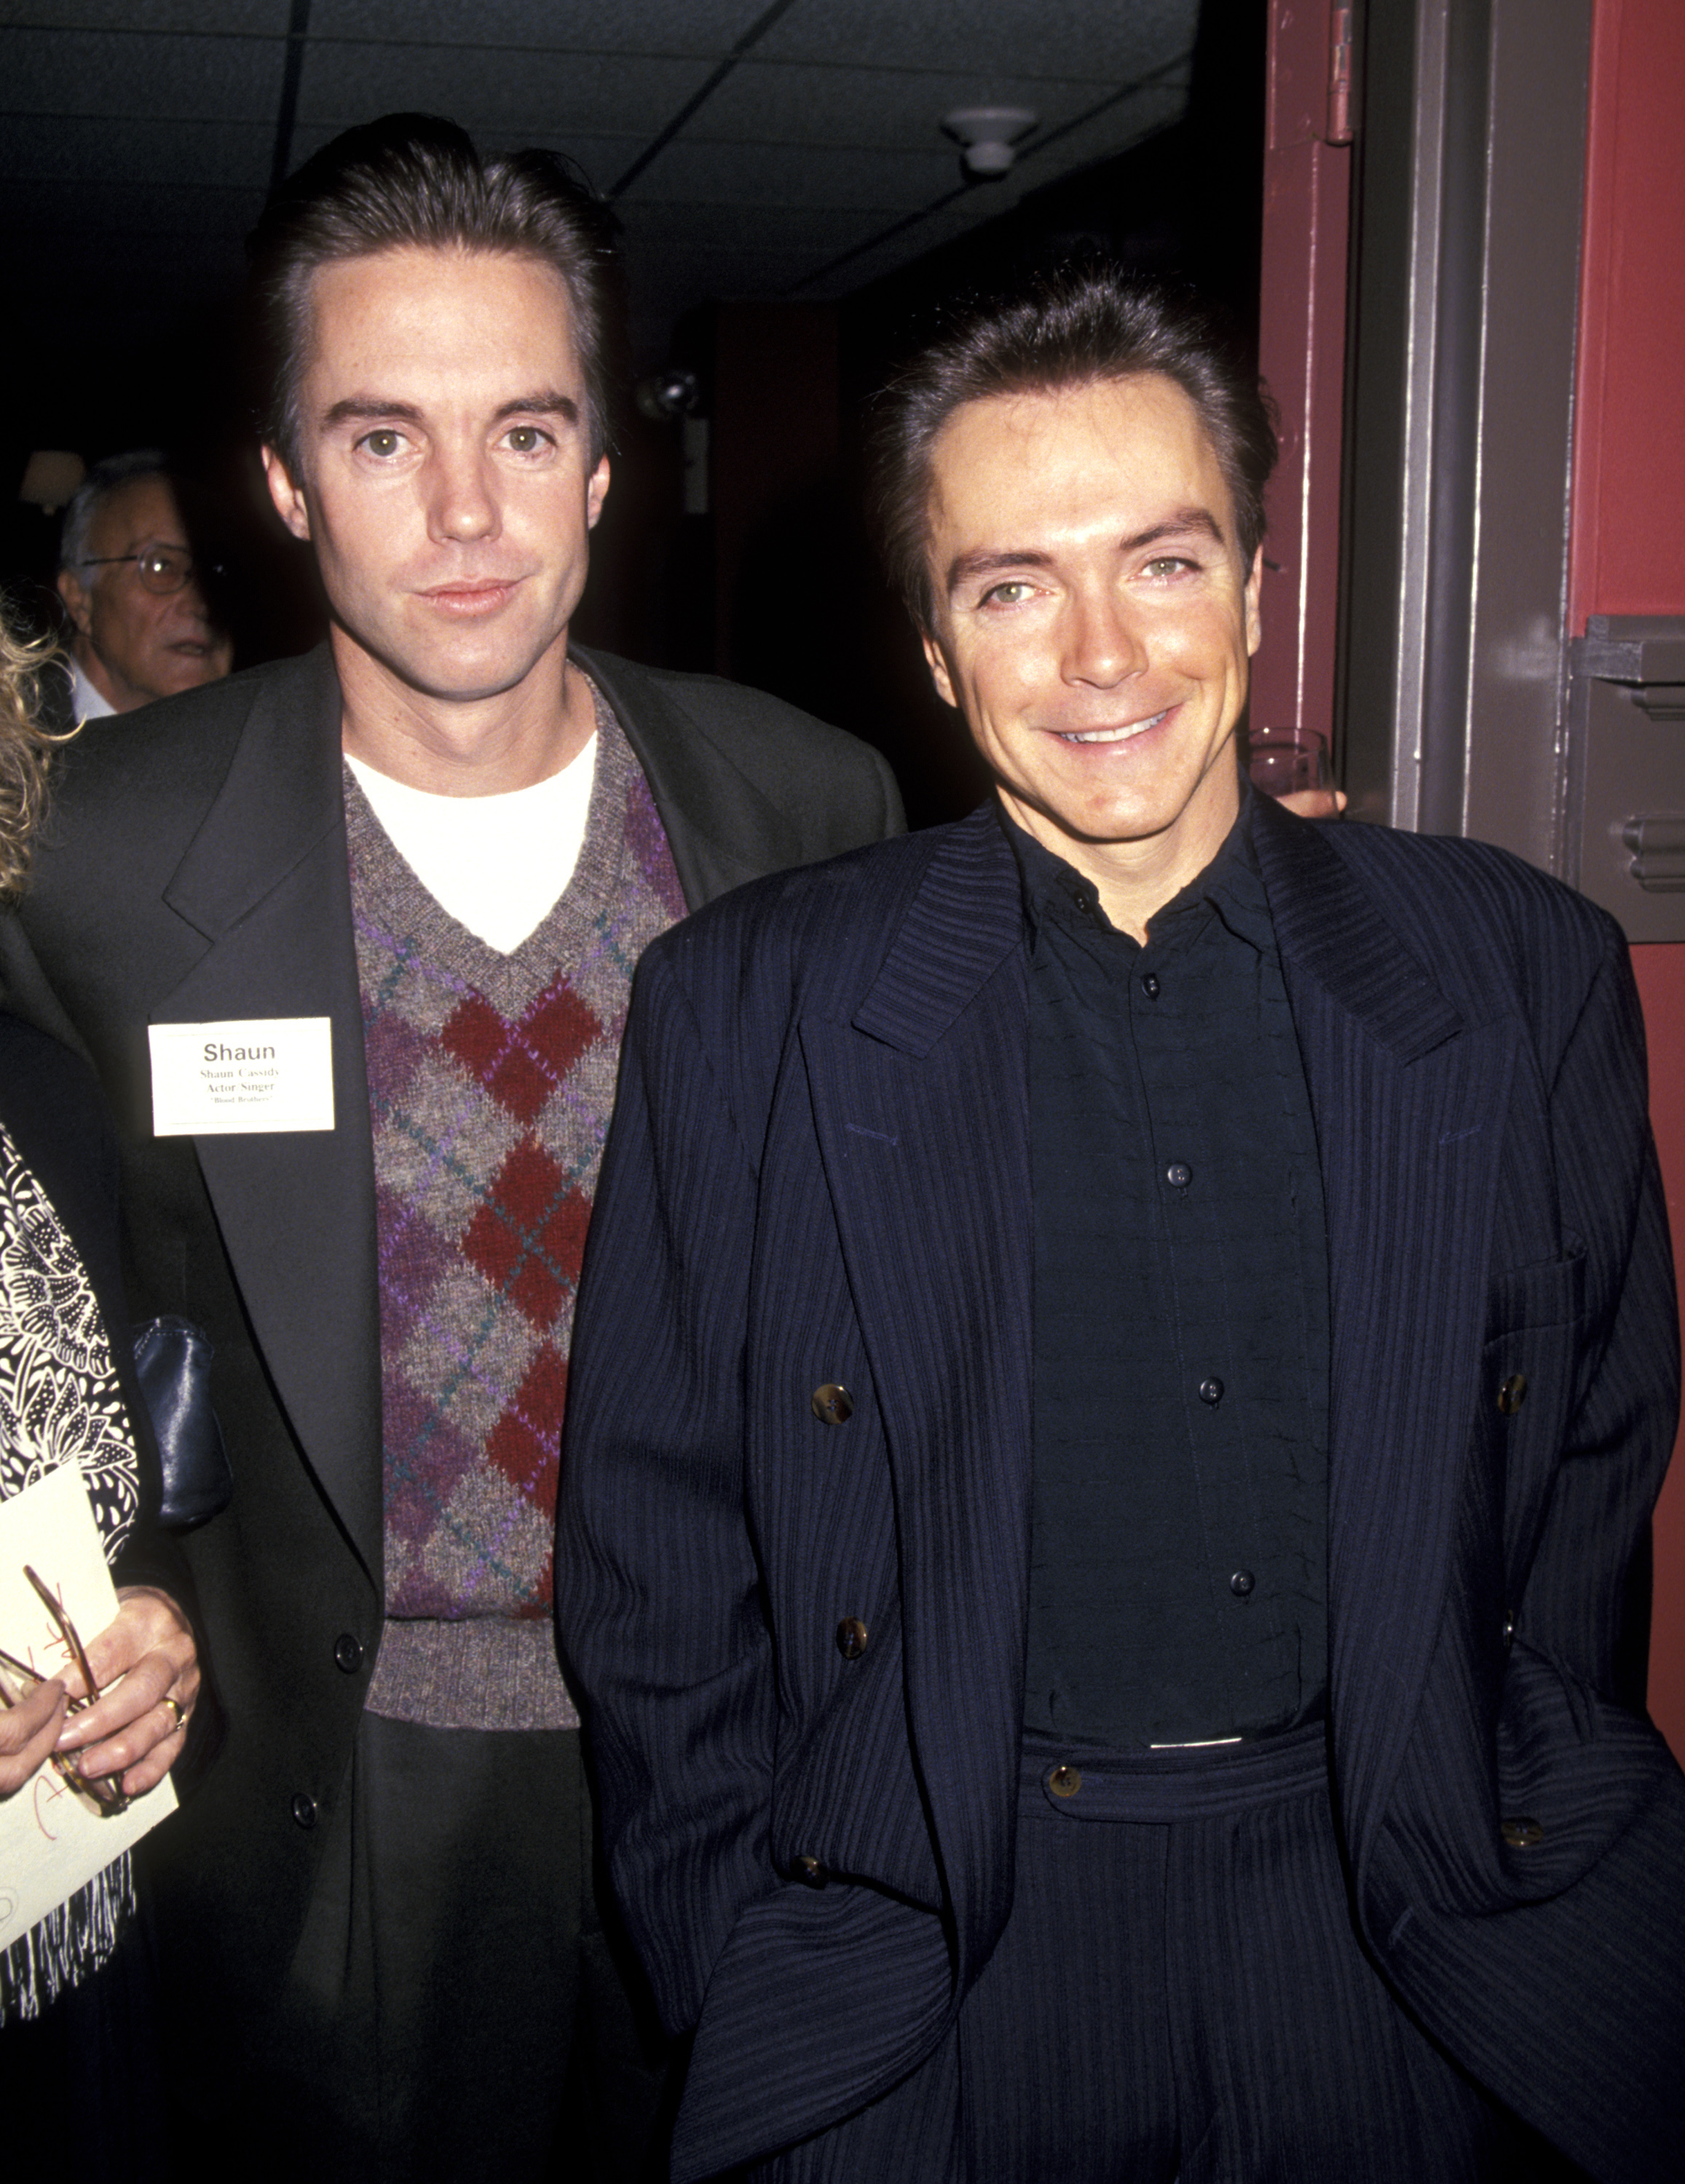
(939, 669)
(287, 494)
(596, 492)
(1254, 621)
(78, 605)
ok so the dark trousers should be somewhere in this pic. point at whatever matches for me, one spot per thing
(1179, 1994)
(458, 2007)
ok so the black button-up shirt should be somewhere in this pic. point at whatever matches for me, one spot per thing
(1178, 1571)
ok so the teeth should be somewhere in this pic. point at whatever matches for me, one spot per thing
(1116, 735)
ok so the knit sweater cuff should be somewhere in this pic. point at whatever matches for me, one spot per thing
(488, 1672)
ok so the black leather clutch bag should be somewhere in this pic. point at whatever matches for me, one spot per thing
(172, 1363)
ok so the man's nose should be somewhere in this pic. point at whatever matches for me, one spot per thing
(1103, 641)
(463, 505)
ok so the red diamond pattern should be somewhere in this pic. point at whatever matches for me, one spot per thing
(523, 1442)
(520, 1065)
(528, 1237)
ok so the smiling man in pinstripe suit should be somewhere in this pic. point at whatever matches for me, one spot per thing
(1124, 1360)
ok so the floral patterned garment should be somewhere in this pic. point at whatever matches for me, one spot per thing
(61, 1402)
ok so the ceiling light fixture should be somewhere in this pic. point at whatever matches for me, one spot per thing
(990, 135)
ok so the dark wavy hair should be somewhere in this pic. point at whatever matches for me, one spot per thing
(1063, 330)
(415, 179)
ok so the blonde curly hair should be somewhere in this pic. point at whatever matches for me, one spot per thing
(24, 750)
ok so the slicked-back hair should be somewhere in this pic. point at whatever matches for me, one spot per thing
(414, 180)
(1066, 330)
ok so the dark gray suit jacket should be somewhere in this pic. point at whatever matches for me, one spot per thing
(193, 869)
(819, 1171)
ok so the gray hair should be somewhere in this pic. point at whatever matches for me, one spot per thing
(96, 487)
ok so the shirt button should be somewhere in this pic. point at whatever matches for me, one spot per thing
(1085, 903)
(832, 1406)
(347, 1654)
(1149, 985)
(1064, 1781)
(1241, 1584)
(304, 1810)
(1211, 1391)
(1178, 1175)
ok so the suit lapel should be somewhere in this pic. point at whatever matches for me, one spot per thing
(265, 882)
(921, 1112)
(1408, 1100)
(720, 828)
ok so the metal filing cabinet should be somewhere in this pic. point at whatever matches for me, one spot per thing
(1626, 713)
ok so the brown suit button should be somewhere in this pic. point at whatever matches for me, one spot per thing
(851, 1636)
(832, 1406)
(813, 1871)
(1521, 1833)
(1064, 1781)
(1513, 1394)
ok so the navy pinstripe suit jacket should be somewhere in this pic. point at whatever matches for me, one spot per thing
(818, 1171)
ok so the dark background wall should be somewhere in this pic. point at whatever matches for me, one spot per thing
(776, 583)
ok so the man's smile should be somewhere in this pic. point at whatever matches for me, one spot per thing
(1122, 735)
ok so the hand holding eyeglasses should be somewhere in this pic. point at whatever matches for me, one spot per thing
(145, 1668)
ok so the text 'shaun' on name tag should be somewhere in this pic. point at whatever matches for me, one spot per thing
(258, 1073)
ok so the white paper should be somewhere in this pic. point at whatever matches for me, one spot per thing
(256, 1073)
(51, 1844)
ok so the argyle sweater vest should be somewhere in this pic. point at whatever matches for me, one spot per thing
(491, 1081)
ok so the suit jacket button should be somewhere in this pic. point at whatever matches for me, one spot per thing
(813, 1871)
(1064, 1781)
(1521, 1833)
(832, 1406)
(851, 1636)
(347, 1654)
(304, 1810)
(1513, 1394)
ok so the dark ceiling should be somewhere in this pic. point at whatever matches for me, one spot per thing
(752, 150)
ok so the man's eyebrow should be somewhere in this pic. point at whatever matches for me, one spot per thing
(1196, 523)
(356, 409)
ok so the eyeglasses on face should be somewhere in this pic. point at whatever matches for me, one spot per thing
(162, 568)
(104, 1794)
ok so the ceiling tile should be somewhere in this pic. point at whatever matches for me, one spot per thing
(243, 17)
(120, 74)
(557, 93)
(763, 102)
(693, 27)
(1100, 39)
(599, 158)
(786, 173)
(668, 230)
(235, 153)
(81, 207)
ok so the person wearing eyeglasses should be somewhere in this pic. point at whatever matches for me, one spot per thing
(141, 627)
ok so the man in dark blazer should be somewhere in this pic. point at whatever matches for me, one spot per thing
(1124, 1363)
(378, 1923)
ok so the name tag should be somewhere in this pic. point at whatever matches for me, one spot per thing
(264, 1073)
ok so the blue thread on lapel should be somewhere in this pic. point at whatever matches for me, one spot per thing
(1456, 1137)
(882, 1136)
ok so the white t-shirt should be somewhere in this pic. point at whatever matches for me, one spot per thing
(497, 864)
